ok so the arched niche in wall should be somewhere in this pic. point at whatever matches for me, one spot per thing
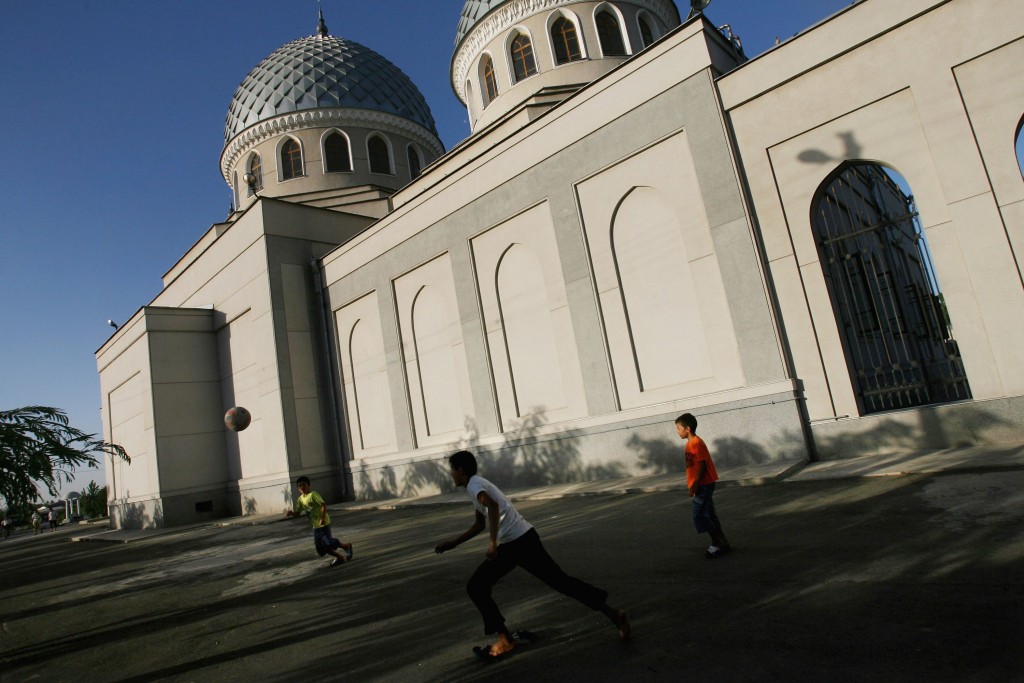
(658, 293)
(363, 364)
(434, 339)
(529, 333)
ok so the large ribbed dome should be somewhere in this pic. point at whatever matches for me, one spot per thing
(324, 71)
(472, 12)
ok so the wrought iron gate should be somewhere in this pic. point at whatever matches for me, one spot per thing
(880, 276)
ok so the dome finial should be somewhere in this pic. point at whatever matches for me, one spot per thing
(321, 26)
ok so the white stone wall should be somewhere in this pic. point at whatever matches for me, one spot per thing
(930, 89)
(601, 277)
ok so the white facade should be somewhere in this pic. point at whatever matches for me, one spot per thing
(624, 240)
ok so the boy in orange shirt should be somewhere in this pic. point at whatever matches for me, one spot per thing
(700, 481)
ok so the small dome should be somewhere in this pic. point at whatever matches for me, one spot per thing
(472, 12)
(324, 71)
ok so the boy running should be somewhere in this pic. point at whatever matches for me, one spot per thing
(512, 542)
(313, 505)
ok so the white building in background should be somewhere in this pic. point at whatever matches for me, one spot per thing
(642, 223)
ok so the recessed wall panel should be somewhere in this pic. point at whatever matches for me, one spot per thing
(530, 338)
(663, 300)
(434, 353)
(369, 414)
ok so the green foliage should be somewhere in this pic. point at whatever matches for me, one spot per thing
(94, 501)
(38, 447)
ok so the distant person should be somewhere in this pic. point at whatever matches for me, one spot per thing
(700, 481)
(512, 542)
(51, 516)
(37, 523)
(313, 505)
(7, 527)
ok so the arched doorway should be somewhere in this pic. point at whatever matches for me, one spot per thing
(1019, 146)
(896, 333)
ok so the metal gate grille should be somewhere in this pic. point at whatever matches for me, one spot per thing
(883, 287)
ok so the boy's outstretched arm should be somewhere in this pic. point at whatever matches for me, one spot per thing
(477, 527)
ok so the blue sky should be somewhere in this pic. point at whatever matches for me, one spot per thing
(113, 117)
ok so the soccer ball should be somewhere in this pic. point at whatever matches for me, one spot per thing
(237, 418)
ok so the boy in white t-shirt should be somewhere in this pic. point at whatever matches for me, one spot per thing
(513, 543)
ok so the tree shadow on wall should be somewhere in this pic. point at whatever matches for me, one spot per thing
(417, 477)
(525, 458)
(937, 427)
(665, 456)
(133, 516)
(433, 475)
(658, 456)
(386, 485)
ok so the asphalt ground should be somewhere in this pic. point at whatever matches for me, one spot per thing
(899, 578)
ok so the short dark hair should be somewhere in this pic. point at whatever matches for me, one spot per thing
(687, 420)
(463, 460)
(302, 480)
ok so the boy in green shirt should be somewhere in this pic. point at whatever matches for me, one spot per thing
(313, 505)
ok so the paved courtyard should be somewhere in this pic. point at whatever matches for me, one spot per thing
(896, 578)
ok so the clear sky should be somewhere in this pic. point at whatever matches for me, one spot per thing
(113, 117)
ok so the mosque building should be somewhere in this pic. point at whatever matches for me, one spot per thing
(816, 251)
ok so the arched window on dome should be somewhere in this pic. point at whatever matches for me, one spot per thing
(490, 83)
(415, 164)
(234, 191)
(646, 29)
(523, 63)
(255, 168)
(291, 159)
(566, 41)
(337, 158)
(610, 34)
(379, 152)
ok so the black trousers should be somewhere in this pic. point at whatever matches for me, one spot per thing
(527, 552)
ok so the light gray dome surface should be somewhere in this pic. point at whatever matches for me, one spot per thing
(324, 71)
(472, 12)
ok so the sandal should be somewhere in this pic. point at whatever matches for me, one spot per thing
(484, 653)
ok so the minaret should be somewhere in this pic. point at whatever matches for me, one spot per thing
(321, 26)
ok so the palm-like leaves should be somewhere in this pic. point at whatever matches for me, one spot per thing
(39, 447)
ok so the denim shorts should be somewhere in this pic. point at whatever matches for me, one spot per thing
(704, 517)
(323, 540)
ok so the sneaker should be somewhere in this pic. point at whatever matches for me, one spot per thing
(348, 552)
(337, 561)
(714, 552)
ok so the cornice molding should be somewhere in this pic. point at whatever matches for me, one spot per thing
(338, 117)
(510, 14)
